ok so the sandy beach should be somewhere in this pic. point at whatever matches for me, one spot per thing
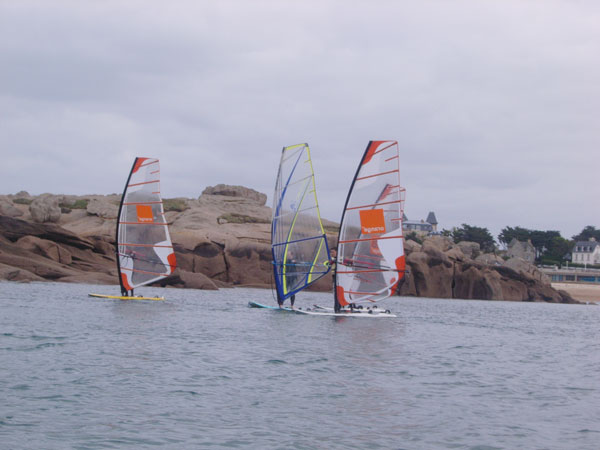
(581, 292)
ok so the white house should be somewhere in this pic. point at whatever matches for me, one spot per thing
(586, 252)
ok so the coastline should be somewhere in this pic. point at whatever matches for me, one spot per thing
(222, 239)
(582, 292)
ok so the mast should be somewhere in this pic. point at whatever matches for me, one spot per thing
(124, 291)
(336, 302)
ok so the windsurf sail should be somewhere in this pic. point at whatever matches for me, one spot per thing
(370, 257)
(298, 240)
(144, 248)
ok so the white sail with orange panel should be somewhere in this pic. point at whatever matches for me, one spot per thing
(370, 258)
(144, 248)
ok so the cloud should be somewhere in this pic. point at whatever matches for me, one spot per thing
(494, 104)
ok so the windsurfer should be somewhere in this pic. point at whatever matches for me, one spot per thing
(291, 278)
(332, 262)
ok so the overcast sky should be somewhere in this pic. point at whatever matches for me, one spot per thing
(495, 104)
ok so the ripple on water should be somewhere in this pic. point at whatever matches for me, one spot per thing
(447, 374)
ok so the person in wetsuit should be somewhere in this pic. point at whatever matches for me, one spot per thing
(333, 264)
(292, 276)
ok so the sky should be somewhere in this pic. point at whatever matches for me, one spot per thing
(495, 104)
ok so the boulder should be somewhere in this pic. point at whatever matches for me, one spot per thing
(205, 257)
(13, 229)
(474, 281)
(514, 290)
(456, 254)
(188, 280)
(11, 273)
(471, 249)
(489, 259)
(441, 243)
(527, 269)
(565, 297)
(45, 248)
(103, 246)
(236, 191)
(249, 263)
(45, 208)
(7, 208)
(430, 275)
(36, 264)
(406, 286)
(102, 208)
(22, 194)
(411, 246)
(436, 256)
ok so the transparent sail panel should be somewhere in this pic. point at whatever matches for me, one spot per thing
(144, 245)
(370, 259)
(299, 245)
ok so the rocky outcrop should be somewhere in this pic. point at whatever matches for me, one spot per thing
(8, 208)
(14, 229)
(102, 208)
(190, 280)
(11, 273)
(442, 270)
(46, 248)
(222, 239)
(249, 263)
(522, 266)
(236, 191)
(470, 249)
(45, 208)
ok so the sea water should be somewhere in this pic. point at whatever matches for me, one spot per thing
(202, 370)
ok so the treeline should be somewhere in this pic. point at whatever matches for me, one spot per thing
(550, 246)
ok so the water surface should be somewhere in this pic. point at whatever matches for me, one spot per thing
(201, 369)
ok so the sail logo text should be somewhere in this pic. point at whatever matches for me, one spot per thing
(144, 213)
(372, 221)
(370, 230)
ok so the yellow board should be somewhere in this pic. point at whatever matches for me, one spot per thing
(118, 297)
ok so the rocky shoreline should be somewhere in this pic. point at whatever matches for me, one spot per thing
(222, 239)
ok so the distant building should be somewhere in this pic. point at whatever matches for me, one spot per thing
(420, 226)
(520, 249)
(432, 220)
(586, 252)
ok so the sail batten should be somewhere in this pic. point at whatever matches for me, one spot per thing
(370, 258)
(298, 241)
(144, 247)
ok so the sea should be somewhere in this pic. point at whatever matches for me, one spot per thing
(203, 370)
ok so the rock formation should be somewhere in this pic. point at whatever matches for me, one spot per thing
(45, 208)
(439, 268)
(7, 208)
(222, 239)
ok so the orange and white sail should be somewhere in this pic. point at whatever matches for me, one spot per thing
(144, 248)
(370, 257)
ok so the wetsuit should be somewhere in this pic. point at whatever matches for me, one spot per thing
(280, 301)
(332, 264)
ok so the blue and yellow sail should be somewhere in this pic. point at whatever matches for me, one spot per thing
(298, 240)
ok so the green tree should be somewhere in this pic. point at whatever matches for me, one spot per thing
(474, 234)
(548, 244)
(587, 233)
(447, 233)
(520, 234)
(413, 236)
